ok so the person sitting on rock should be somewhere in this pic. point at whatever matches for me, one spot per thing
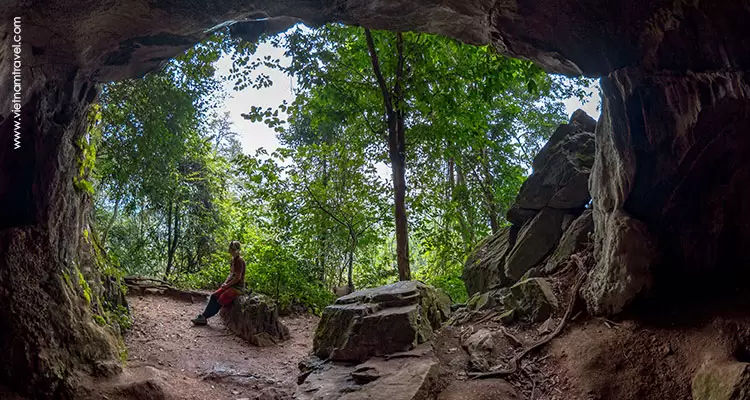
(229, 290)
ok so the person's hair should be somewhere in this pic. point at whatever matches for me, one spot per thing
(234, 245)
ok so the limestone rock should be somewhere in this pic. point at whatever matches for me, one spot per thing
(572, 241)
(405, 378)
(519, 216)
(486, 300)
(728, 380)
(380, 321)
(532, 299)
(583, 120)
(535, 240)
(624, 256)
(484, 267)
(561, 170)
(485, 389)
(255, 318)
(479, 345)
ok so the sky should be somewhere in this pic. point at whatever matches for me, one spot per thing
(253, 136)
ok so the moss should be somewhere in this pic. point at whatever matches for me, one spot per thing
(123, 354)
(99, 320)
(86, 288)
(68, 282)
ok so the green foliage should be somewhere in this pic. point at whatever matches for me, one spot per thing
(172, 188)
(120, 316)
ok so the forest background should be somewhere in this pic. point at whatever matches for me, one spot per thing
(395, 155)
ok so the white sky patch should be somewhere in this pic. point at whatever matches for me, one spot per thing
(256, 135)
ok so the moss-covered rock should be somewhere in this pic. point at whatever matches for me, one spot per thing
(531, 300)
(728, 380)
(380, 321)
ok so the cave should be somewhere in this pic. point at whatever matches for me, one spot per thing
(669, 183)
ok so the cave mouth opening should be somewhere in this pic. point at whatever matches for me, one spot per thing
(704, 231)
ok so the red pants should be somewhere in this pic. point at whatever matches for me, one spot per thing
(226, 296)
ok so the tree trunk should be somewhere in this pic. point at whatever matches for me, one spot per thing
(172, 246)
(398, 167)
(111, 220)
(466, 230)
(396, 148)
(350, 264)
(488, 186)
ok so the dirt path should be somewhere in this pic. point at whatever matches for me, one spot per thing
(210, 362)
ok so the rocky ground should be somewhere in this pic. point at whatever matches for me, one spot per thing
(650, 354)
(169, 358)
(525, 332)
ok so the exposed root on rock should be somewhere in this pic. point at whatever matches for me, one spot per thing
(513, 368)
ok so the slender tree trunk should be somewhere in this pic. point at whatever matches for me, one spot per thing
(341, 277)
(399, 190)
(172, 247)
(350, 263)
(396, 148)
(323, 230)
(465, 219)
(489, 194)
(169, 238)
(111, 220)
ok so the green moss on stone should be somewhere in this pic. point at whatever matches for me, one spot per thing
(99, 320)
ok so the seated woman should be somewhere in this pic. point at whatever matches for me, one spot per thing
(232, 287)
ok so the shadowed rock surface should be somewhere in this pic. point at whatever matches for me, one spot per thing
(255, 318)
(380, 321)
(406, 378)
(484, 266)
(549, 221)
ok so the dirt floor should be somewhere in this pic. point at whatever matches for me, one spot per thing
(210, 362)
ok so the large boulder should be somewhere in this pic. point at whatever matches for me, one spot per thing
(573, 240)
(255, 318)
(548, 204)
(531, 299)
(728, 380)
(485, 266)
(561, 169)
(535, 241)
(380, 321)
(623, 269)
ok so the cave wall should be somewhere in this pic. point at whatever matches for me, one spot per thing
(669, 67)
(47, 332)
(669, 182)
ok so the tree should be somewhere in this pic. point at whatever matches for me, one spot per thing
(418, 93)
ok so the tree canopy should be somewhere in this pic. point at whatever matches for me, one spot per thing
(456, 125)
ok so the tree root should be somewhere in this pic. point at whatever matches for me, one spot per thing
(515, 360)
(162, 287)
